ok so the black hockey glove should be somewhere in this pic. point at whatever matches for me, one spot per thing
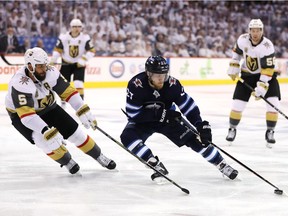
(169, 116)
(204, 130)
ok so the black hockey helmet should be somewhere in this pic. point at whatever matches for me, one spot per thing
(156, 64)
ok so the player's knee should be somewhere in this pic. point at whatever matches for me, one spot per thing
(41, 143)
(78, 137)
(79, 84)
(125, 136)
(194, 144)
(238, 105)
(128, 136)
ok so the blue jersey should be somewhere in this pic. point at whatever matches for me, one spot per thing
(144, 104)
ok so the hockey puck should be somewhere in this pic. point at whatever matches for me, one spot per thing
(278, 191)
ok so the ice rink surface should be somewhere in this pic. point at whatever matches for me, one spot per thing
(31, 184)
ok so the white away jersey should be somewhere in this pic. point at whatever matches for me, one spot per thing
(24, 93)
(27, 97)
(256, 59)
(72, 49)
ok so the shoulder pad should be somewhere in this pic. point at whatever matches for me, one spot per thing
(85, 36)
(23, 83)
(244, 37)
(268, 47)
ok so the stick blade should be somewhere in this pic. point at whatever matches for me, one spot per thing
(278, 191)
(185, 190)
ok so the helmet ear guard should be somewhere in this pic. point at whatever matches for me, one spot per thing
(35, 56)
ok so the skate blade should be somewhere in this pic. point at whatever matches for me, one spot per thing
(270, 145)
(77, 175)
(230, 143)
(160, 180)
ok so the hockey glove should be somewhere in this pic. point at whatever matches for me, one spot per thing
(205, 133)
(169, 116)
(53, 137)
(234, 69)
(86, 117)
(261, 89)
(82, 62)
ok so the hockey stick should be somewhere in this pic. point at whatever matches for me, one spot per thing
(7, 62)
(11, 64)
(191, 128)
(268, 102)
(142, 161)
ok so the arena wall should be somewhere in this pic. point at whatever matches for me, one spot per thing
(112, 72)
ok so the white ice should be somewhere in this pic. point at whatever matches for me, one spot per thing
(31, 184)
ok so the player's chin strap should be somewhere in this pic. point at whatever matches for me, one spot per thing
(268, 102)
(188, 125)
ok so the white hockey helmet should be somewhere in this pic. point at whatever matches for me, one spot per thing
(35, 56)
(255, 23)
(76, 22)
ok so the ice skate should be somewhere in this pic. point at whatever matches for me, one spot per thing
(269, 136)
(72, 166)
(106, 162)
(154, 161)
(227, 170)
(231, 135)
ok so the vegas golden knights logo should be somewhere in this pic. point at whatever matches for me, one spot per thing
(73, 51)
(46, 101)
(252, 63)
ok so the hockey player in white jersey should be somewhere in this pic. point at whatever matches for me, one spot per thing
(75, 48)
(257, 70)
(33, 110)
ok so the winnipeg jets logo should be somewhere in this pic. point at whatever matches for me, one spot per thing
(156, 94)
(24, 80)
(137, 83)
(172, 81)
(153, 106)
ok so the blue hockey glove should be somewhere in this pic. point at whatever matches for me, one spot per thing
(204, 129)
(169, 116)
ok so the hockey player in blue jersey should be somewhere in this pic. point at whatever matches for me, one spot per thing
(150, 108)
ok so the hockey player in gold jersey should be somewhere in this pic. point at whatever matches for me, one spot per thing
(33, 110)
(75, 48)
(257, 70)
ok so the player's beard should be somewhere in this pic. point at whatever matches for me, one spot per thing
(39, 77)
(157, 86)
